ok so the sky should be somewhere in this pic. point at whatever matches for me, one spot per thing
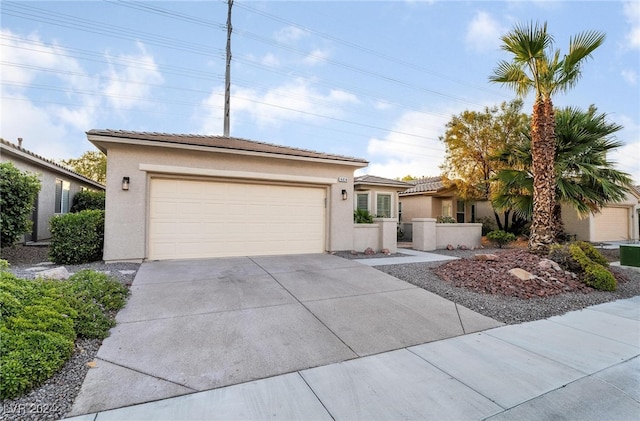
(377, 80)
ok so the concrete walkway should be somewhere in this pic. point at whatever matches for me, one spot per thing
(410, 256)
(192, 326)
(584, 365)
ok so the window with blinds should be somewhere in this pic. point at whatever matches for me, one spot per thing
(383, 208)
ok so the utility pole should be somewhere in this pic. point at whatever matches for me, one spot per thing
(227, 77)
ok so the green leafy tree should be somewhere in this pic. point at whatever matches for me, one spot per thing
(18, 193)
(585, 179)
(92, 164)
(472, 140)
(537, 67)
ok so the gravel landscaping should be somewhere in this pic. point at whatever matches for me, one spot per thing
(53, 399)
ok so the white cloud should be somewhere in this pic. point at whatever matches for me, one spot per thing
(630, 76)
(632, 13)
(483, 33)
(289, 34)
(127, 87)
(627, 157)
(315, 57)
(399, 153)
(31, 112)
(293, 101)
(270, 60)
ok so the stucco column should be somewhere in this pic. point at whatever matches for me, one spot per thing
(388, 233)
(424, 234)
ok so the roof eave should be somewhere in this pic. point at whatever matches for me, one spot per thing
(100, 140)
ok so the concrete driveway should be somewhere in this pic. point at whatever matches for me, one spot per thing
(197, 325)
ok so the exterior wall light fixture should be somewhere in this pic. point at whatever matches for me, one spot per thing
(344, 194)
(125, 183)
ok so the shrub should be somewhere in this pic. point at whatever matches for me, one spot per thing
(88, 200)
(501, 238)
(41, 319)
(77, 237)
(593, 253)
(362, 216)
(595, 275)
(36, 332)
(560, 254)
(488, 224)
(445, 220)
(18, 193)
(93, 295)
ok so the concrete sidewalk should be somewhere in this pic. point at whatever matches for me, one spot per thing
(192, 326)
(409, 256)
(584, 365)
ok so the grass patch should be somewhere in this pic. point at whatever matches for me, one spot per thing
(40, 320)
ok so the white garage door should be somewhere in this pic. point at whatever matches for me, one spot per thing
(612, 224)
(196, 219)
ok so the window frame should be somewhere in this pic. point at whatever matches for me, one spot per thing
(366, 195)
(62, 199)
(381, 196)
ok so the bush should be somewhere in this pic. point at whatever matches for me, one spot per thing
(488, 224)
(445, 220)
(36, 332)
(93, 295)
(592, 253)
(362, 216)
(88, 200)
(501, 238)
(77, 237)
(595, 275)
(18, 193)
(41, 319)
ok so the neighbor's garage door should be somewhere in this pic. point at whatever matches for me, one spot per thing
(196, 219)
(612, 224)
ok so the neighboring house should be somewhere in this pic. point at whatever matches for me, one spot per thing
(615, 222)
(175, 196)
(378, 196)
(58, 186)
(430, 197)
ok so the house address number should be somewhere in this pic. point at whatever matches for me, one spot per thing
(342, 179)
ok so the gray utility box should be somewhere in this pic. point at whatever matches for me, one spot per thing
(630, 255)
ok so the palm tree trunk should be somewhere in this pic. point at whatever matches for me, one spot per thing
(542, 153)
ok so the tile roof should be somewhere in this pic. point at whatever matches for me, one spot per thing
(7, 146)
(381, 181)
(425, 184)
(222, 142)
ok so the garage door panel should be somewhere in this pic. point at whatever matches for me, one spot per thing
(195, 219)
(612, 224)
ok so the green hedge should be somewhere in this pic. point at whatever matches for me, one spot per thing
(77, 237)
(18, 193)
(88, 200)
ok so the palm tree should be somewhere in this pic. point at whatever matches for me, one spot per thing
(536, 66)
(585, 179)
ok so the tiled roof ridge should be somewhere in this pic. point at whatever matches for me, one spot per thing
(186, 136)
(47, 160)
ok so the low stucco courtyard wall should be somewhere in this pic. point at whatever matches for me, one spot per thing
(380, 235)
(429, 235)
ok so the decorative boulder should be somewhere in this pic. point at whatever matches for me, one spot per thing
(385, 251)
(486, 257)
(58, 273)
(450, 247)
(522, 274)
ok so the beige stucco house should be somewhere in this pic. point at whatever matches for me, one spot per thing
(615, 222)
(58, 186)
(378, 195)
(431, 197)
(188, 196)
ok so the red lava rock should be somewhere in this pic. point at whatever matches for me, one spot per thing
(450, 247)
(385, 251)
(492, 276)
(369, 251)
